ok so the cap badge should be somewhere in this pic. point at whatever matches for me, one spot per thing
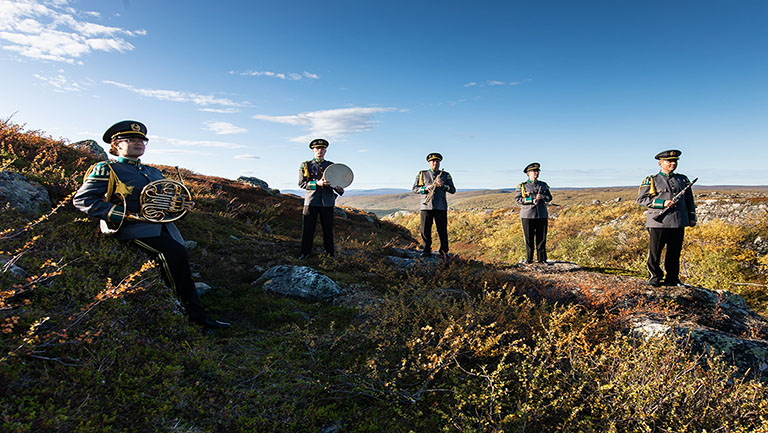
(135, 127)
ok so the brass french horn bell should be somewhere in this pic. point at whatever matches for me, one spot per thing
(162, 201)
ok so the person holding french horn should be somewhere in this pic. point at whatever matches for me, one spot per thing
(434, 184)
(319, 200)
(117, 193)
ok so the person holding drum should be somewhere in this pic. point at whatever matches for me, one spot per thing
(320, 199)
(126, 178)
(434, 184)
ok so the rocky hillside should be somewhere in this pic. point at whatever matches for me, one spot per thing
(375, 340)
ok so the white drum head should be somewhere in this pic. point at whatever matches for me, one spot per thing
(338, 175)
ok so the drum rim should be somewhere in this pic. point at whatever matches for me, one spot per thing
(341, 166)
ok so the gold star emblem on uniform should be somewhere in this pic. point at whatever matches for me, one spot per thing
(135, 127)
(123, 189)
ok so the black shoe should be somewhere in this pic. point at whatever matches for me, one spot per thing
(654, 284)
(212, 324)
(426, 254)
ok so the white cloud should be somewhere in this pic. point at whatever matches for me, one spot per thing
(246, 157)
(492, 83)
(60, 83)
(220, 110)
(194, 143)
(178, 96)
(49, 30)
(331, 124)
(224, 128)
(292, 76)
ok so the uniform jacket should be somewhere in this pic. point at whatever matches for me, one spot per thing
(659, 187)
(426, 178)
(90, 198)
(524, 195)
(309, 173)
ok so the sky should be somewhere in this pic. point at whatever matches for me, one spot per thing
(592, 90)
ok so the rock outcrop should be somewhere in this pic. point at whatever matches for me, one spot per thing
(27, 197)
(91, 147)
(254, 181)
(299, 282)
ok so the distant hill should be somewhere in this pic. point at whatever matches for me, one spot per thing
(505, 198)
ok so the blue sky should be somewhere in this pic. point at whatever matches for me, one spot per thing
(590, 89)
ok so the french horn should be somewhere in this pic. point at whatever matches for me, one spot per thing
(161, 201)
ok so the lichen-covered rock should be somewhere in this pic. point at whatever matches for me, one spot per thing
(713, 321)
(254, 181)
(202, 288)
(27, 197)
(299, 282)
(91, 147)
(339, 212)
(13, 269)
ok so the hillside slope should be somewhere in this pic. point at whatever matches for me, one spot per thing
(93, 342)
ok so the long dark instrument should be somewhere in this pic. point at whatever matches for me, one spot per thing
(675, 199)
(431, 192)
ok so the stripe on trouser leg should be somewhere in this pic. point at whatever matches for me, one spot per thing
(163, 261)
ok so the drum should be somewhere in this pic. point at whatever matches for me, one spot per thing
(338, 175)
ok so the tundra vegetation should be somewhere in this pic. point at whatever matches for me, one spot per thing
(92, 341)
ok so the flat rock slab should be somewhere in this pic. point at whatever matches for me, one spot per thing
(300, 282)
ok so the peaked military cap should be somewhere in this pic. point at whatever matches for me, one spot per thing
(669, 155)
(318, 142)
(125, 128)
(433, 156)
(532, 166)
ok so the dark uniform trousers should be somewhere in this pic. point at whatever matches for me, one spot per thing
(535, 233)
(310, 222)
(441, 223)
(174, 267)
(673, 239)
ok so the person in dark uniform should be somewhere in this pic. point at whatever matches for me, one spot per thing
(434, 184)
(533, 196)
(320, 199)
(656, 192)
(128, 176)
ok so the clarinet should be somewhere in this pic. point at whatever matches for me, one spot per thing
(675, 199)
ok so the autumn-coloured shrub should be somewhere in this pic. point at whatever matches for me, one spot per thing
(92, 341)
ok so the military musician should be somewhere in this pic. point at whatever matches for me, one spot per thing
(127, 176)
(433, 184)
(533, 196)
(319, 200)
(656, 192)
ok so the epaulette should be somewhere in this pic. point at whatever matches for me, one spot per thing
(448, 175)
(649, 182)
(98, 171)
(521, 188)
(421, 177)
